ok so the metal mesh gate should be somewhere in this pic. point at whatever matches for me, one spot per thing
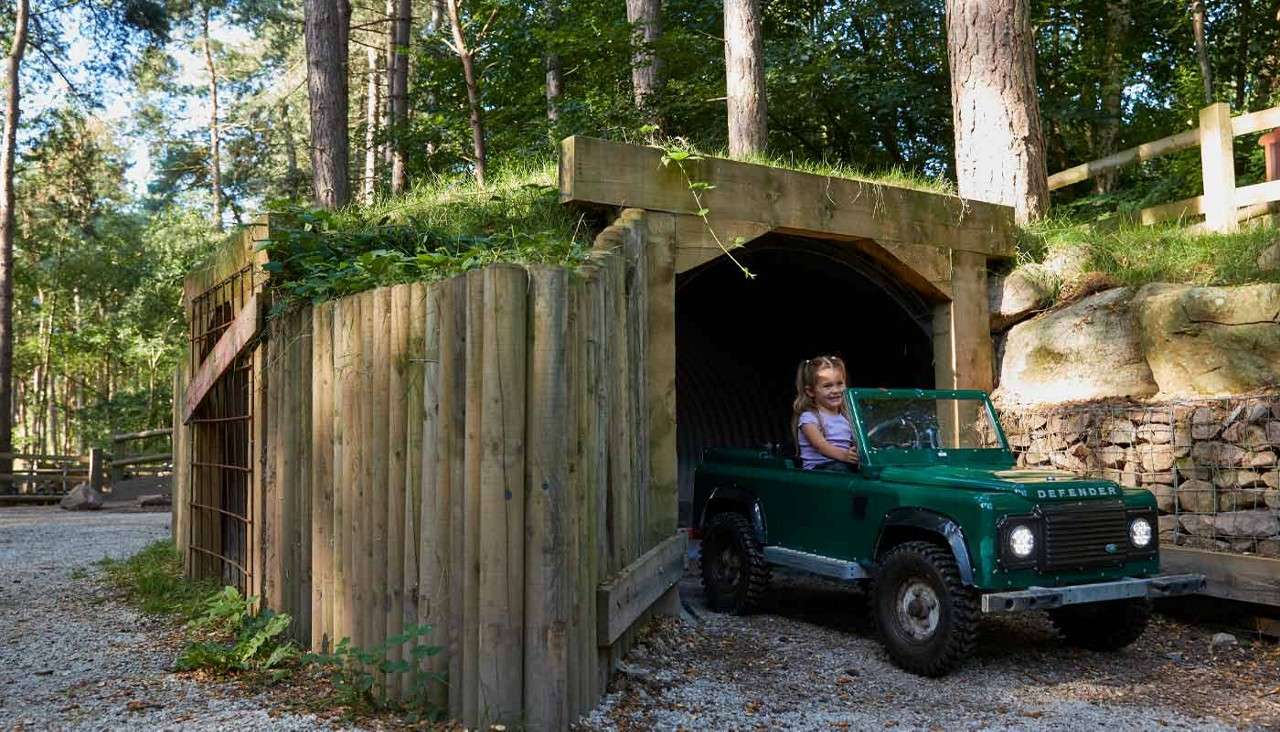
(220, 545)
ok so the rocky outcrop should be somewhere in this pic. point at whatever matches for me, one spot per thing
(1014, 297)
(1170, 341)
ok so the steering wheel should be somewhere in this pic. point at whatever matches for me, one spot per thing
(898, 421)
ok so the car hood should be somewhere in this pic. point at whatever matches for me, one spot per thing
(1036, 485)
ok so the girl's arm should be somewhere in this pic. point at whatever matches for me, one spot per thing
(828, 450)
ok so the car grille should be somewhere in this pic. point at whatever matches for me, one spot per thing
(1076, 535)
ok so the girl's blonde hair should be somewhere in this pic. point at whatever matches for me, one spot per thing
(807, 378)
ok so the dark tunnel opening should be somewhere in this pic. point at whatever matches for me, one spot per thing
(739, 340)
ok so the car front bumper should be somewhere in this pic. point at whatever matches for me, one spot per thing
(1045, 598)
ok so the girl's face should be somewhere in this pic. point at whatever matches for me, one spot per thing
(828, 389)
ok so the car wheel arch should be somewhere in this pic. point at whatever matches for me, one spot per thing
(740, 500)
(907, 523)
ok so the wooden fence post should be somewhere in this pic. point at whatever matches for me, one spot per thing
(1217, 163)
(95, 468)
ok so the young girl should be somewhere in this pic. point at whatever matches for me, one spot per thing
(823, 428)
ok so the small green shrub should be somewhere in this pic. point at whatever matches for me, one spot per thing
(235, 638)
(153, 581)
(354, 672)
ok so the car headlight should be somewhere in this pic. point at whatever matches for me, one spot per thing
(1022, 541)
(1140, 532)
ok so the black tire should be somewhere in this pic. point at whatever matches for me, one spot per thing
(927, 618)
(734, 574)
(1103, 626)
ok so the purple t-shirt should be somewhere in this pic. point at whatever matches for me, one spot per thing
(835, 428)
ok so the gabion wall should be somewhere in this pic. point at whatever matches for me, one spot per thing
(1213, 465)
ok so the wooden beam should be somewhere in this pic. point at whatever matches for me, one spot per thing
(1175, 211)
(616, 174)
(1145, 151)
(1255, 121)
(1258, 193)
(1218, 168)
(1230, 576)
(634, 589)
(695, 245)
(225, 351)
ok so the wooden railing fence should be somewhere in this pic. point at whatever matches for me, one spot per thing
(1222, 204)
(155, 456)
(50, 474)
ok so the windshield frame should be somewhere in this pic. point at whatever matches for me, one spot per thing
(872, 456)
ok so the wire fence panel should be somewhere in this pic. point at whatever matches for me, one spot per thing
(1212, 464)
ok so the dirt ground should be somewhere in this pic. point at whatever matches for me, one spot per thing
(809, 660)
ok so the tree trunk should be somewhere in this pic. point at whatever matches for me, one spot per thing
(555, 82)
(7, 224)
(373, 105)
(398, 90)
(1244, 60)
(1202, 49)
(645, 17)
(473, 90)
(1118, 20)
(293, 176)
(215, 152)
(744, 77)
(995, 108)
(327, 25)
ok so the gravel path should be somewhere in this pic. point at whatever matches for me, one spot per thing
(810, 662)
(71, 657)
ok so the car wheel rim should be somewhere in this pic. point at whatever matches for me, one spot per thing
(918, 609)
(728, 568)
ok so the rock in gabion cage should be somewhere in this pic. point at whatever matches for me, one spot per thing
(1212, 464)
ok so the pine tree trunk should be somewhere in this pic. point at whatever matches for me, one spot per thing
(995, 108)
(1202, 49)
(398, 90)
(555, 81)
(744, 77)
(7, 224)
(473, 91)
(645, 17)
(327, 25)
(1118, 20)
(373, 106)
(293, 176)
(215, 152)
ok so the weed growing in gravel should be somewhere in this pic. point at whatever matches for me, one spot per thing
(152, 581)
(233, 637)
(355, 673)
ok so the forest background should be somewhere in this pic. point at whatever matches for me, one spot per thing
(151, 126)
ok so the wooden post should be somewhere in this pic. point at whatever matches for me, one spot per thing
(962, 354)
(1217, 163)
(469, 530)
(453, 432)
(322, 505)
(399, 394)
(378, 364)
(661, 362)
(416, 421)
(547, 501)
(95, 468)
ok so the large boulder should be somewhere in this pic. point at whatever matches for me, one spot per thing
(1017, 296)
(82, 498)
(1210, 341)
(1089, 350)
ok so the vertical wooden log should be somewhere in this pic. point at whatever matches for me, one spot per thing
(469, 643)
(322, 563)
(596, 426)
(502, 493)
(377, 363)
(415, 423)
(180, 489)
(342, 472)
(355, 501)
(260, 467)
(306, 413)
(450, 538)
(397, 472)
(660, 364)
(273, 580)
(547, 500)
(1218, 166)
(637, 284)
(574, 544)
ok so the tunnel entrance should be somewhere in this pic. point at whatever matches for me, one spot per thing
(739, 340)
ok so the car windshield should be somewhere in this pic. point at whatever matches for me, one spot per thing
(927, 423)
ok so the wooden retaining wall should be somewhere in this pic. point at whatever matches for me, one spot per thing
(474, 454)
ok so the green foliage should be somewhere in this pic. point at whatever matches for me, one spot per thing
(236, 637)
(153, 581)
(440, 228)
(1133, 255)
(354, 673)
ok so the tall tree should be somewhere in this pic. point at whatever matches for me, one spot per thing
(398, 87)
(995, 107)
(472, 82)
(13, 65)
(744, 77)
(373, 107)
(1114, 73)
(645, 17)
(1202, 49)
(215, 151)
(327, 24)
(555, 80)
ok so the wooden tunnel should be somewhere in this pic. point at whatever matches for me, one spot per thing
(495, 454)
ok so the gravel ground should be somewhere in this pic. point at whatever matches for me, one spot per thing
(809, 661)
(72, 657)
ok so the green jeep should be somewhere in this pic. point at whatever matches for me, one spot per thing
(943, 528)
